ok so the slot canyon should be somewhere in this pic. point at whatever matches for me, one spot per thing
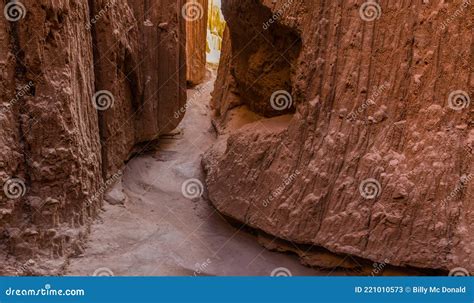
(242, 138)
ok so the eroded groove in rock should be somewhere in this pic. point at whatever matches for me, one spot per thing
(302, 182)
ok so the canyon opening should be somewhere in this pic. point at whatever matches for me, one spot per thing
(236, 138)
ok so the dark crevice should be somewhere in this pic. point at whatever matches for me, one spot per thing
(101, 116)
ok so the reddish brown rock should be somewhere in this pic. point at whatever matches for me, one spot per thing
(371, 103)
(139, 56)
(55, 143)
(196, 14)
(224, 95)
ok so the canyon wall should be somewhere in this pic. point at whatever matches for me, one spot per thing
(376, 161)
(81, 84)
(196, 15)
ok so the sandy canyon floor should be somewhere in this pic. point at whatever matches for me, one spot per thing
(159, 232)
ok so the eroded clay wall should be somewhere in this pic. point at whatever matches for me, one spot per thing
(196, 15)
(377, 160)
